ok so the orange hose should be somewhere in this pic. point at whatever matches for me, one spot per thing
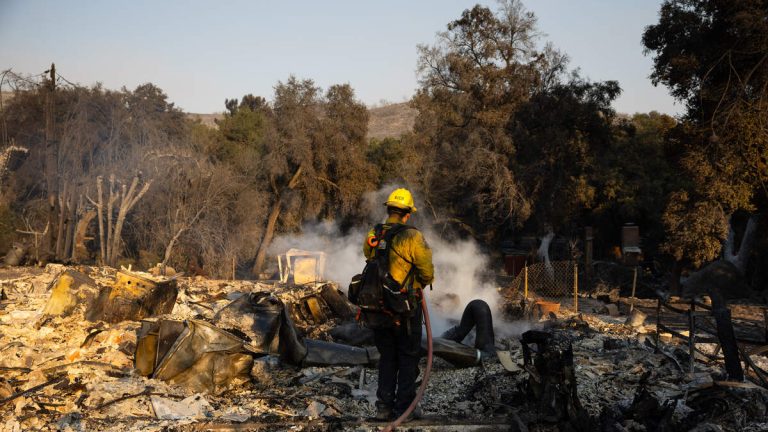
(425, 379)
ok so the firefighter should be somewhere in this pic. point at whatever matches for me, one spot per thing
(410, 264)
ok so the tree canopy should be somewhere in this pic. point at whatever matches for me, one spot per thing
(713, 56)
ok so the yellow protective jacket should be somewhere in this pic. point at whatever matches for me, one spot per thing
(407, 247)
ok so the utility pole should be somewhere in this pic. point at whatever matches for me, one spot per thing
(51, 162)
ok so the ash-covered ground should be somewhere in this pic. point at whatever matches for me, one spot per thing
(66, 373)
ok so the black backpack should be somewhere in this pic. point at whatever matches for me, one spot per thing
(383, 302)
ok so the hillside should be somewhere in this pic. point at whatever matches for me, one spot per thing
(5, 96)
(391, 120)
(206, 119)
(386, 121)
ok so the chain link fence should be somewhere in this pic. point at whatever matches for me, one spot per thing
(554, 282)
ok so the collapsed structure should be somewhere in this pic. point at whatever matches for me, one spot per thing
(101, 349)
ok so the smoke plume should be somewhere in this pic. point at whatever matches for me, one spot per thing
(459, 265)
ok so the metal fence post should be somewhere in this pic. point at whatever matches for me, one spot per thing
(575, 287)
(525, 281)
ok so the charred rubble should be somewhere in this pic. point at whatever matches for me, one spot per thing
(102, 349)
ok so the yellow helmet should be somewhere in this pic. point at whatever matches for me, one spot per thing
(401, 198)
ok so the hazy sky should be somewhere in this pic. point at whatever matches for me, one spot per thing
(201, 52)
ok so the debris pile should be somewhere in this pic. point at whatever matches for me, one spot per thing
(84, 349)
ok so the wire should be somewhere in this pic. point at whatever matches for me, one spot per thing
(66, 80)
(14, 76)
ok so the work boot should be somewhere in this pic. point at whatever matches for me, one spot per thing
(414, 415)
(383, 412)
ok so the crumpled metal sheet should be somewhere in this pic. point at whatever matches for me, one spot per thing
(264, 321)
(256, 315)
(204, 358)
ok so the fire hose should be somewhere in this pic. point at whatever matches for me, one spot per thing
(427, 370)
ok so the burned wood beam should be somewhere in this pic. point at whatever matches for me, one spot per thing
(728, 341)
(33, 389)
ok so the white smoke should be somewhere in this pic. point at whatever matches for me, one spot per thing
(459, 265)
(344, 252)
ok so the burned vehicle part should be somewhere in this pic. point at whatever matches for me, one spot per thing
(130, 297)
(193, 354)
(263, 320)
(133, 297)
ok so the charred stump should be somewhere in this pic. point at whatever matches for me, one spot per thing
(548, 359)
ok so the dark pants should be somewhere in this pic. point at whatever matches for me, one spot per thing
(400, 351)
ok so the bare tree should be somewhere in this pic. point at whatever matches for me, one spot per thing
(121, 198)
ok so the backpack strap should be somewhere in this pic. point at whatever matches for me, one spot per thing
(387, 237)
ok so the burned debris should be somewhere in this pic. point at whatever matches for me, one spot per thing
(181, 351)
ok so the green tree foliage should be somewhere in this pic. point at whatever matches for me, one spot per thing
(559, 133)
(242, 131)
(473, 79)
(634, 176)
(505, 133)
(694, 229)
(340, 151)
(314, 160)
(713, 56)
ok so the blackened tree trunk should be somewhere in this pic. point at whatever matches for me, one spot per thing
(269, 233)
(274, 214)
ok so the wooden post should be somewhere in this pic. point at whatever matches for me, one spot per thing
(50, 164)
(727, 339)
(589, 239)
(525, 281)
(692, 335)
(634, 285)
(575, 287)
(765, 323)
